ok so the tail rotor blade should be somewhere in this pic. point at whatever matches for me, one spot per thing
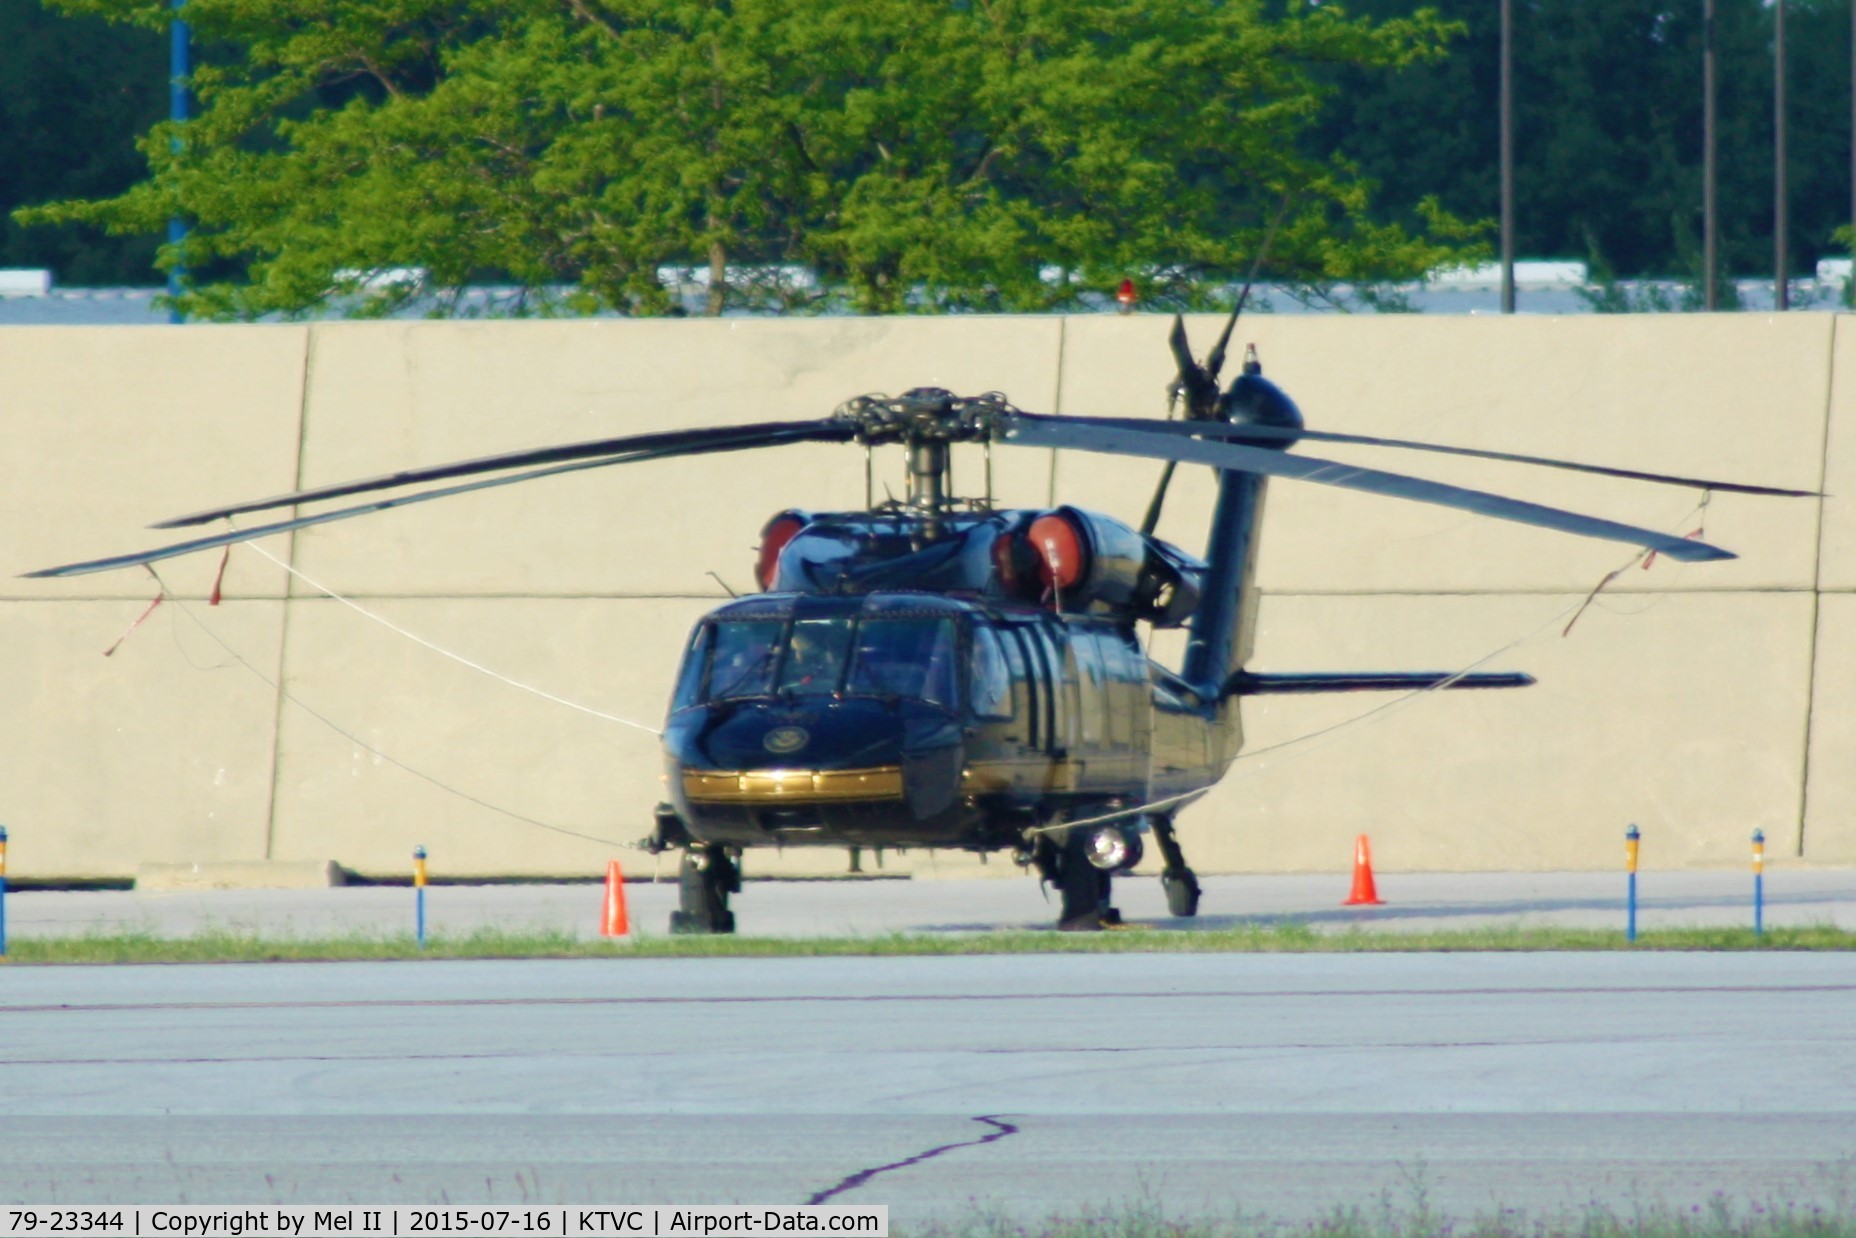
(1215, 362)
(1151, 521)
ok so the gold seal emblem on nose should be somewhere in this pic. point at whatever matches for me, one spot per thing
(785, 739)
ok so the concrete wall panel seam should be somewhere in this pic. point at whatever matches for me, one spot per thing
(290, 602)
(1838, 324)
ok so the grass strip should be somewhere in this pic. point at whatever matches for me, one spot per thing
(227, 945)
(1717, 1218)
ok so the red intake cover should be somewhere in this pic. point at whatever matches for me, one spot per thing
(779, 531)
(1063, 555)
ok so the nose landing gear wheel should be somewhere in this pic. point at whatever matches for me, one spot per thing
(704, 882)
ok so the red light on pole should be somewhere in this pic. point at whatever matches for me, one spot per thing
(1124, 296)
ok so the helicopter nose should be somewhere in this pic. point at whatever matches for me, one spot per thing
(775, 736)
(844, 752)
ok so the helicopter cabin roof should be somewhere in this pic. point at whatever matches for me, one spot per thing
(890, 604)
(895, 604)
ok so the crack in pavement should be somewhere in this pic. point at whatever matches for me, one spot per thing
(1001, 1129)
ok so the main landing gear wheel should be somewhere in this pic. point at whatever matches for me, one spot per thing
(1084, 888)
(704, 882)
(1179, 882)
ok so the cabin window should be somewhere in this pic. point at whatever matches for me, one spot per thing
(1061, 673)
(1094, 684)
(1124, 697)
(741, 658)
(992, 679)
(904, 657)
(1026, 690)
(816, 656)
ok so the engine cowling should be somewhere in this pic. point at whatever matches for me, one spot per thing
(1083, 561)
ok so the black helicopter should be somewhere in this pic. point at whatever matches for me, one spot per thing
(937, 672)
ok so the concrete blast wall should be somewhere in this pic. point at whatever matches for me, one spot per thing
(284, 724)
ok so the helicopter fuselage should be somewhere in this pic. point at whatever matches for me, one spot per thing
(909, 719)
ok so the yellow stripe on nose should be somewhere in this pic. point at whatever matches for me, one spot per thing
(796, 786)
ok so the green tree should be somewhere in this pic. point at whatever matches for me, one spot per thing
(913, 155)
(73, 94)
(1608, 128)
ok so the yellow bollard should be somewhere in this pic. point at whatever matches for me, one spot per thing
(418, 885)
(1759, 883)
(1631, 837)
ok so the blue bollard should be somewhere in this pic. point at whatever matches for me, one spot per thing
(418, 885)
(1630, 860)
(2, 891)
(1759, 883)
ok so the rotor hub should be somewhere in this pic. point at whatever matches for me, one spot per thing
(925, 415)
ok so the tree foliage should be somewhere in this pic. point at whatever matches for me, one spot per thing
(73, 95)
(1608, 128)
(968, 154)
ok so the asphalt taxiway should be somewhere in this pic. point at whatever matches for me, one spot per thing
(1288, 1085)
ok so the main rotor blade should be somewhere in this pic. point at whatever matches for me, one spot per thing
(1279, 434)
(813, 431)
(673, 442)
(1039, 432)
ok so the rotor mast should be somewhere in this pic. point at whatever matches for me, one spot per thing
(928, 469)
(925, 422)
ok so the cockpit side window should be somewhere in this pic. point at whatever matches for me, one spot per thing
(742, 657)
(689, 679)
(991, 683)
(816, 655)
(904, 657)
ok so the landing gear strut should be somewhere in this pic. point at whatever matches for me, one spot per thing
(1179, 882)
(707, 877)
(1082, 885)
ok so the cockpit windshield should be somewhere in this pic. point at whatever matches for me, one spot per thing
(898, 656)
(905, 657)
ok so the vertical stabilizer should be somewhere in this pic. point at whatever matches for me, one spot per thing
(1224, 629)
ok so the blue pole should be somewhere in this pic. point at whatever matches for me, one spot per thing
(1630, 855)
(1759, 883)
(418, 885)
(180, 68)
(2, 891)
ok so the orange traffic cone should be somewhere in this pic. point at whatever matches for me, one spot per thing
(612, 922)
(1363, 889)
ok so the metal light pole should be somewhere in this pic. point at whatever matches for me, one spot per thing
(1710, 241)
(1507, 156)
(180, 68)
(1781, 207)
